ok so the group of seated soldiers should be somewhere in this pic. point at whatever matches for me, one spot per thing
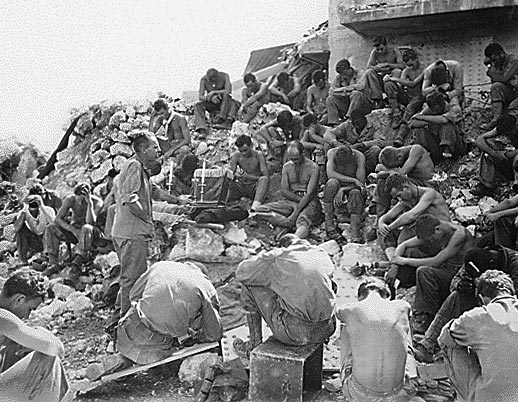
(289, 287)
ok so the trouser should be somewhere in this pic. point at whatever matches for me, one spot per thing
(27, 240)
(505, 232)
(226, 109)
(490, 170)
(454, 305)
(407, 274)
(414, 105)
(355, 392)
(18, 383)
(373, 85)
(133, 259)
(285, 327)
(55, 234)
(437, 136)
(337, 107)
(359, 101)
(251, 111)
(501, 92)
(355, 196)
(371, 156)
(140, 343)
(255, 191)
(396, 91)
(432, 287)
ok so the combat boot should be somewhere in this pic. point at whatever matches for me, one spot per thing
(356, 223)
(330, 224)
(242, 348)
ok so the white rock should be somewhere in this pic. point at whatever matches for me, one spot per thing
(54, 309)
(78, 303)
(203, 242)
(193, 367)
(234, 234)
(62, 291)
(486, 203)
(331, 247)
(467, 214)
(472, 229)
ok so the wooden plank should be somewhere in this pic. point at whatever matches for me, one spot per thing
(180, 354)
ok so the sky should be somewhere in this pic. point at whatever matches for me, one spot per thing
(58, 55)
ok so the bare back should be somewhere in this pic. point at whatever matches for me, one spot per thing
(423, 166)
(437, 208)
(378, 334)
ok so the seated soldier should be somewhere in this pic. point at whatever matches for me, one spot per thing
(255, 94)
(171, 130)
(376, 346)
(446, 77)
(346, 178)
(462, 297)
(182, 176)
(30, 368)
(148, 332)
(81, 230)
(439, 131)
(337, 103)
(435, 271)
(504, 217)
(252, 179)
(299, 186)
(313, 137)
(215, 95)
(317, 95)
(50, 198)
(494, 162)
(292, 129)
(479, 347)
(362, 134)
(30, 226)
(412, 161)
(407, 92)
(413, 201)
(290, 289)
(286, 89)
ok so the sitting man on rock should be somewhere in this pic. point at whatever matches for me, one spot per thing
(504, 217)
(495, 162)
(463, 296)
(480, 346)
(338, 101)
(317, 94)
(412, 161)
(181, 182)
(290, 289)
(215, 95)
(252, 179)
(30, 368)
(433, 272)
(171, 130)
(172, 304)
(363, 134)
(50, 198)
(80, 230)
(30, 226)
(313, 137)
(376, 346)
(255, 94)
(300, 208)
(346, 178)
(286, 89)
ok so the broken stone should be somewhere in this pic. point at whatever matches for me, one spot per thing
(99, 157)
(61, 291)
(202, 242)
(78, 303)
(9, 233)
(118, 162)
(331, 247)
(54, 309)
(455, 193)
(121, 149)
(193, 368)
(103, 170)
(467, 214)
(202, 148)
(472, 229)
(234, 235)
(457, 203)
(486, 203)
(237, 252)
(468, 169)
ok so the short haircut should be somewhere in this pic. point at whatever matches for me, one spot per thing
(284, 118)
(359, 116)
(388, 157)
(395, 180)
(379, 40)
(493, 49)
(141, 142)
(425, 226)
(436, 100)
(189, 163)
(29, 283)
(342, 66)
(308, 119)
(343, 153)
(243, 140)
(409, 54)
(159, 105)
(439, 73)
(283, 76)
(249, 78)
(493, 283)
(212, 71)
(480, 257)
(505, 124)
(37, 189)
(298, 146)
(79, 188)
(318, 75)
(373, 284)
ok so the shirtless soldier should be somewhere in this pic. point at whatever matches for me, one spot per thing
(299, 184)
(252, 181)
(375, 346)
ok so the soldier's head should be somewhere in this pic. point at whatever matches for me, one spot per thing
(189, 163)
(244, 145)
(160, 106)
(82, 189)
(391, 157)
(380, 43)
(250, 81)
(319, 78)
(285, 120)
(309, 119)
(295, 153)
(506, 124)
(342, 66)
(429, 228)
(212, 74)
(283, 78)
(494, 283)
(358, 120)
(373, 284)
(23, 292)
(410, 58)
(436, 103)
(495, 53)
(146, 148)
(399, 187)
(439, 73)
(344, 153)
